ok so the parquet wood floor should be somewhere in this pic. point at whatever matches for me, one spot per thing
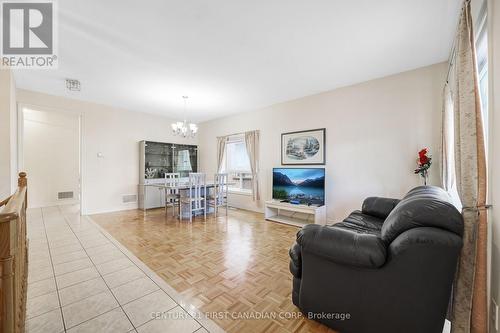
(236, 264)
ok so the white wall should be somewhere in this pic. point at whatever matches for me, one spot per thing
(51, 150)
(8, 134)
(374, 130)
(115, 133)
(494, 161)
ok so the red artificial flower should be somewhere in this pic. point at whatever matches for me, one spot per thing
(423, 159)
(423, 163)
(423, 152)
(422, 156)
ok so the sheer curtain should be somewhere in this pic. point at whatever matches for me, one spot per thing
(469, 311)
(252, 139)
(448, 176)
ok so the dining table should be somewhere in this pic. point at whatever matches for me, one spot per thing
(183, 188)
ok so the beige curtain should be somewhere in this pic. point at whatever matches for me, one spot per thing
(221, 148)
(469, 305)
(252, 144)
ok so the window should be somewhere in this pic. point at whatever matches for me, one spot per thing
(237, 165)
(482, 66)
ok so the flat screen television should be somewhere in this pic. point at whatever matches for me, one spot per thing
(301, 185)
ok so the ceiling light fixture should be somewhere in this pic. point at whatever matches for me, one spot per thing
(183, 128)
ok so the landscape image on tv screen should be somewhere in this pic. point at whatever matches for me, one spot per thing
(306, 185)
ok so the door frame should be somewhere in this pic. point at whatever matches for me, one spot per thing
(20, 141)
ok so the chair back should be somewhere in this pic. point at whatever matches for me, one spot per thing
(220, 188)
(172, 180)
(197, 188)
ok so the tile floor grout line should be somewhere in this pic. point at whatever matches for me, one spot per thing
(74, 284)
(87, 320)
(45, 293)
(81, 299)
(53, 270)
(65, 262)
(100, 275)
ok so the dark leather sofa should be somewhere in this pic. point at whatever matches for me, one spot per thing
(388, 268)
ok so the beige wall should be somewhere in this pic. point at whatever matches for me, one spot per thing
(8, 134)
(115, 133)
(494, 183)
(51, 147)
(374, 130)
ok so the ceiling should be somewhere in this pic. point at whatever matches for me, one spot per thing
(231, 56)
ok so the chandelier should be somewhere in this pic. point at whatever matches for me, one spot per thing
(183, 128)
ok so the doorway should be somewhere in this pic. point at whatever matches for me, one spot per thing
(49, 152)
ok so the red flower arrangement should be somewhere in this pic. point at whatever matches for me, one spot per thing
(424, 162)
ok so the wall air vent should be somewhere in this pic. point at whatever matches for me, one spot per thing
(65, 195)
(128, 198)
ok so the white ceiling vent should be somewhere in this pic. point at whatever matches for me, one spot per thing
(73, 85)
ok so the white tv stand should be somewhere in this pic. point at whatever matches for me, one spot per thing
(297, 215)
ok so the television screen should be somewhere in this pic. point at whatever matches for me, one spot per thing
(305, 185)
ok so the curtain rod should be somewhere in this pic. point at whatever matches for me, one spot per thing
(234, 134)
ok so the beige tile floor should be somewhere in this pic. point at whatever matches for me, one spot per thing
(82, 280)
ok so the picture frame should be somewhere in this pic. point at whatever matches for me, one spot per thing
(304, 147)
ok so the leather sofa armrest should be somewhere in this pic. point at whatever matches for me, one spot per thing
(343, 246)
(296, 260)
(378, 206)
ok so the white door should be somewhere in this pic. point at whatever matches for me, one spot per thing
(51, 156)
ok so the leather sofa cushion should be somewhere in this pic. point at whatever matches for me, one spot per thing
(424, 206)
(357, 221)
(379, 207)
(343, 245)
(427, 237)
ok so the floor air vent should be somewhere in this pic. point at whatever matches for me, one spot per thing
(128, 198)
(65, 195)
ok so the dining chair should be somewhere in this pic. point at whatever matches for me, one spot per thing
(196, 199)
(172, 195)
(219, 196)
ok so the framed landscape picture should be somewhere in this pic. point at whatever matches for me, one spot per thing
(303, 147)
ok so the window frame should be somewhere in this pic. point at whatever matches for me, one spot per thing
(482, 68)
(241, 174)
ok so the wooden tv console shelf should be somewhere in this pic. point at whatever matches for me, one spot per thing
(297, 215)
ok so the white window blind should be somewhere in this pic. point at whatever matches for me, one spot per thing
(237, 157)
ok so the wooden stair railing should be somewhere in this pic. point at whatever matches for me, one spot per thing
(13, 259)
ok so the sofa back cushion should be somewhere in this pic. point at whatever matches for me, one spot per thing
(379, 207)
(423, 206)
